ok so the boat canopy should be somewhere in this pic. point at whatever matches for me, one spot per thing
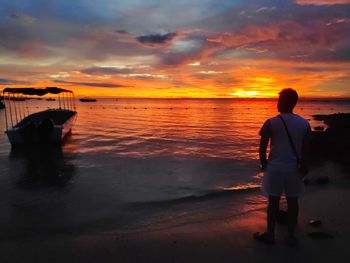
(17, 108)
(35, 91)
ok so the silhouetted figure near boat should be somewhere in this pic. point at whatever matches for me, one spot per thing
(34, 133)
(288, 135)
(45, 128)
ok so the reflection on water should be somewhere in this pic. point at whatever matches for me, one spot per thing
(36, 185)
(185, 128)
(44, 166)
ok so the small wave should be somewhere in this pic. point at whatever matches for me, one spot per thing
(209, 195)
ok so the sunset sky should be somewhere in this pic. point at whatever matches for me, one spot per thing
(182, 48)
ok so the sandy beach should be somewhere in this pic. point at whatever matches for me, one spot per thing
(214, 237)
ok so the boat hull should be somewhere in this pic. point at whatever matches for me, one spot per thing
(56, 135)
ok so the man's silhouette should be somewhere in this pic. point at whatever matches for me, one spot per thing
(282, 175)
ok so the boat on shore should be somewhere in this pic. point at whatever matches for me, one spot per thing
(87, 100)
(50, 126)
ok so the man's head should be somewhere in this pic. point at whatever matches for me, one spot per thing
(287, 100)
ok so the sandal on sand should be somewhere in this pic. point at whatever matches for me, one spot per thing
(291, 241)
(264, 238)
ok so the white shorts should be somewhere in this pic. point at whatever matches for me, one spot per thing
(276, 183)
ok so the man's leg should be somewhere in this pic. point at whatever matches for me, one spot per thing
(293, 210)
(272, 212)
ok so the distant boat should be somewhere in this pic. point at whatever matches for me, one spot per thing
(17, 99)
(87, 100)
(42, 127)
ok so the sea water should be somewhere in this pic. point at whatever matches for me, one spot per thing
(128, 159)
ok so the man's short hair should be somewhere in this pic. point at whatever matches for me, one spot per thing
(288, 98)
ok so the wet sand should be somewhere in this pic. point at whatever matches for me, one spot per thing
(220, 238)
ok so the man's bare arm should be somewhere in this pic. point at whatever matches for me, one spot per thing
(264, 141)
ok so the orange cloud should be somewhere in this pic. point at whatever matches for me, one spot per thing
(219, 78)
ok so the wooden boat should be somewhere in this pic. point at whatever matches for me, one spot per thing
(49, 126)
(87, 100)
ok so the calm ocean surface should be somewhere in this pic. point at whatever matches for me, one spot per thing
(128, 152)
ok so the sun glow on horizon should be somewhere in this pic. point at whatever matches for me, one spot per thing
(253, 94)
(246, 94)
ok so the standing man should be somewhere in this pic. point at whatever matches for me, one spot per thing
(289, 134)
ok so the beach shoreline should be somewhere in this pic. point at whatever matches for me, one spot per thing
(219, 238)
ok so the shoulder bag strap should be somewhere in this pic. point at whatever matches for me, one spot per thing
(290, 138)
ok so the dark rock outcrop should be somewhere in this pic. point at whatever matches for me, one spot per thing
(334, 142)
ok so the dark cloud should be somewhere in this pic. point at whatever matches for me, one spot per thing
(91, 84)
(14, 82)
(122, 32)
(106, 70)
(24, 19)
(316, 68)
(313, 42)
(300, 33)
(192, 46)
(46, 39)
(23, 36)
(156, 39)
(15, 16)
